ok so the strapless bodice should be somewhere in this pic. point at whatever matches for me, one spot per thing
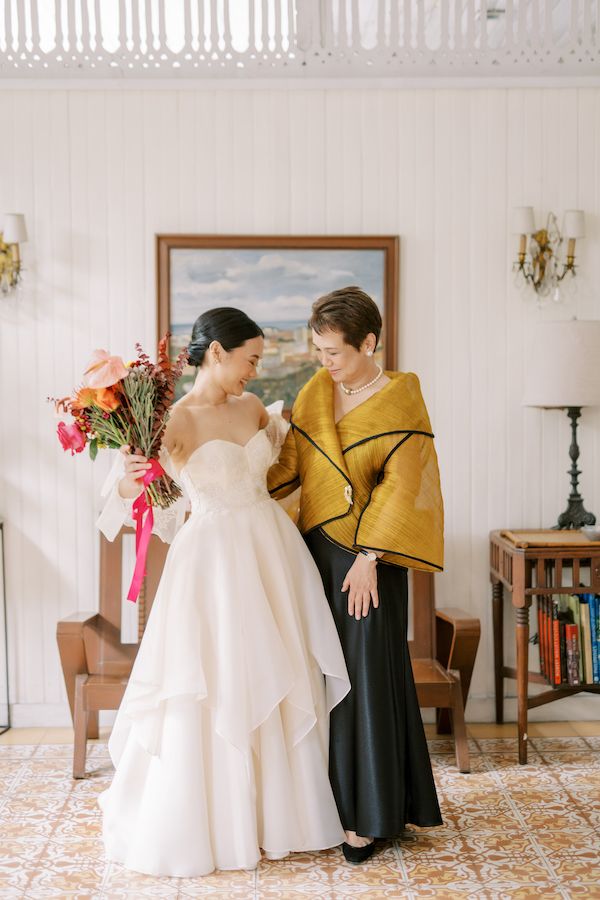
(221, 475)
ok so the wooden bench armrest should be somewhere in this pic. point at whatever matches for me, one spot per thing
(74, 623)
(457, 640)
(459, 618)
(71, 648)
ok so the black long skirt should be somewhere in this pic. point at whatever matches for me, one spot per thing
(379, 764)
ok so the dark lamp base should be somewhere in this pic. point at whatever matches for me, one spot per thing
(575, 514)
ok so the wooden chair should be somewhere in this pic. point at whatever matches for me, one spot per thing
(96, 663)
(443, 651)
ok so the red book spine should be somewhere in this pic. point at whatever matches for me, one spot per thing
(540, 613)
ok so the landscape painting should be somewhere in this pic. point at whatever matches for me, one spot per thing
(275, 281)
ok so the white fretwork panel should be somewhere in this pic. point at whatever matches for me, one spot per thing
(298, 37)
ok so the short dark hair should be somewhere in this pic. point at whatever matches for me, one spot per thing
(229, 326)
(348, 310)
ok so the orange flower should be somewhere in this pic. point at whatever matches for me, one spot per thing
(105, 371)
(107, 399)
(84, 397)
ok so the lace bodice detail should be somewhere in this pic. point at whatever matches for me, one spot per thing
(222, 475)
(219, 475)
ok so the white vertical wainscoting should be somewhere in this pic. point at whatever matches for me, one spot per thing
(99, 173)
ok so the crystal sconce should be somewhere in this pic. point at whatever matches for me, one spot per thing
(12, 235)
(540, 263)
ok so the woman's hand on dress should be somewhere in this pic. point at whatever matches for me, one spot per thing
(361, 584)
(136, 467)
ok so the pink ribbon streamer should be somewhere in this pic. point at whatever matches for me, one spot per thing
(144, 521)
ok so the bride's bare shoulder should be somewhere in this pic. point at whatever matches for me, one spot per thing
(178, 426)
(251, 399)
(183, 403)
(255, 404)
(180, 412)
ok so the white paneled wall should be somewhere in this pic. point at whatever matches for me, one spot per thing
(99, 172)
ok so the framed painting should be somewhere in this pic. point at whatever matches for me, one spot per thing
(275, 280)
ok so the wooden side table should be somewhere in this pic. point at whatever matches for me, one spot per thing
(529, 563)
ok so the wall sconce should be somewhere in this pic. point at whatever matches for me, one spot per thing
(539, 264)
(13, 233)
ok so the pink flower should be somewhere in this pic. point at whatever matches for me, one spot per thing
(71, 438)
(104, 370)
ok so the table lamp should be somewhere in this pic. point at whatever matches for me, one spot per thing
(563, 372)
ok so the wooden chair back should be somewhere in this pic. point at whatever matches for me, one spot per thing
(422, 607)
(105, 651)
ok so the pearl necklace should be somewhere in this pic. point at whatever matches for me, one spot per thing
(349, 391)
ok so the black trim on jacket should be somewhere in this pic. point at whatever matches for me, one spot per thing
(374, 437)
(320, 449)
(285, 484)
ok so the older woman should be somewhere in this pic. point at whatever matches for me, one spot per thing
(361, 447)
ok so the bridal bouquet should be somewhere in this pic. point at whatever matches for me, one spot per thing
(121, 404)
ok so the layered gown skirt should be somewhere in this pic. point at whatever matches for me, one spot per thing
(379, 764)
(221, 742)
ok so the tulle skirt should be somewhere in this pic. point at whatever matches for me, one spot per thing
(221, 743)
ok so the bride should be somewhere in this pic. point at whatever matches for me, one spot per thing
(220, 745)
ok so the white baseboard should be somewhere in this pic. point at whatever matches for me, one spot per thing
(48, 715)
(580, 708)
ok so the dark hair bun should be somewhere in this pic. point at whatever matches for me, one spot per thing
(229, 326)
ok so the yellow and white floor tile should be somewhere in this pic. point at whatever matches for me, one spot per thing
(528, 832)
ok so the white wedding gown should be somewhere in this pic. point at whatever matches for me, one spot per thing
(221, 742)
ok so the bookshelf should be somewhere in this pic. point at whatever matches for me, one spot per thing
(524, 565)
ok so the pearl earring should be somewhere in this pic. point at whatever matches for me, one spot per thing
(369, 353)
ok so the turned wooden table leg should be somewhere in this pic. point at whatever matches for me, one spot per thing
(522, 616)
(498, 625)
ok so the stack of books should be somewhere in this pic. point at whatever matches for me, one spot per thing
(569, 638)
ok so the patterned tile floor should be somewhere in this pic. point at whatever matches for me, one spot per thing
(510, 831)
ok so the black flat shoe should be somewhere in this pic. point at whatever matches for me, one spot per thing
(408, 836)
(357, 855)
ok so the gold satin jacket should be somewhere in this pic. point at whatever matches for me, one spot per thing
(372, 480)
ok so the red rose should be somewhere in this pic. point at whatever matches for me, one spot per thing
(71, 438)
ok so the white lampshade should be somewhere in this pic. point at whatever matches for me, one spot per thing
(563, 365)
(523, 222)
(14, 230)
(574, 224)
